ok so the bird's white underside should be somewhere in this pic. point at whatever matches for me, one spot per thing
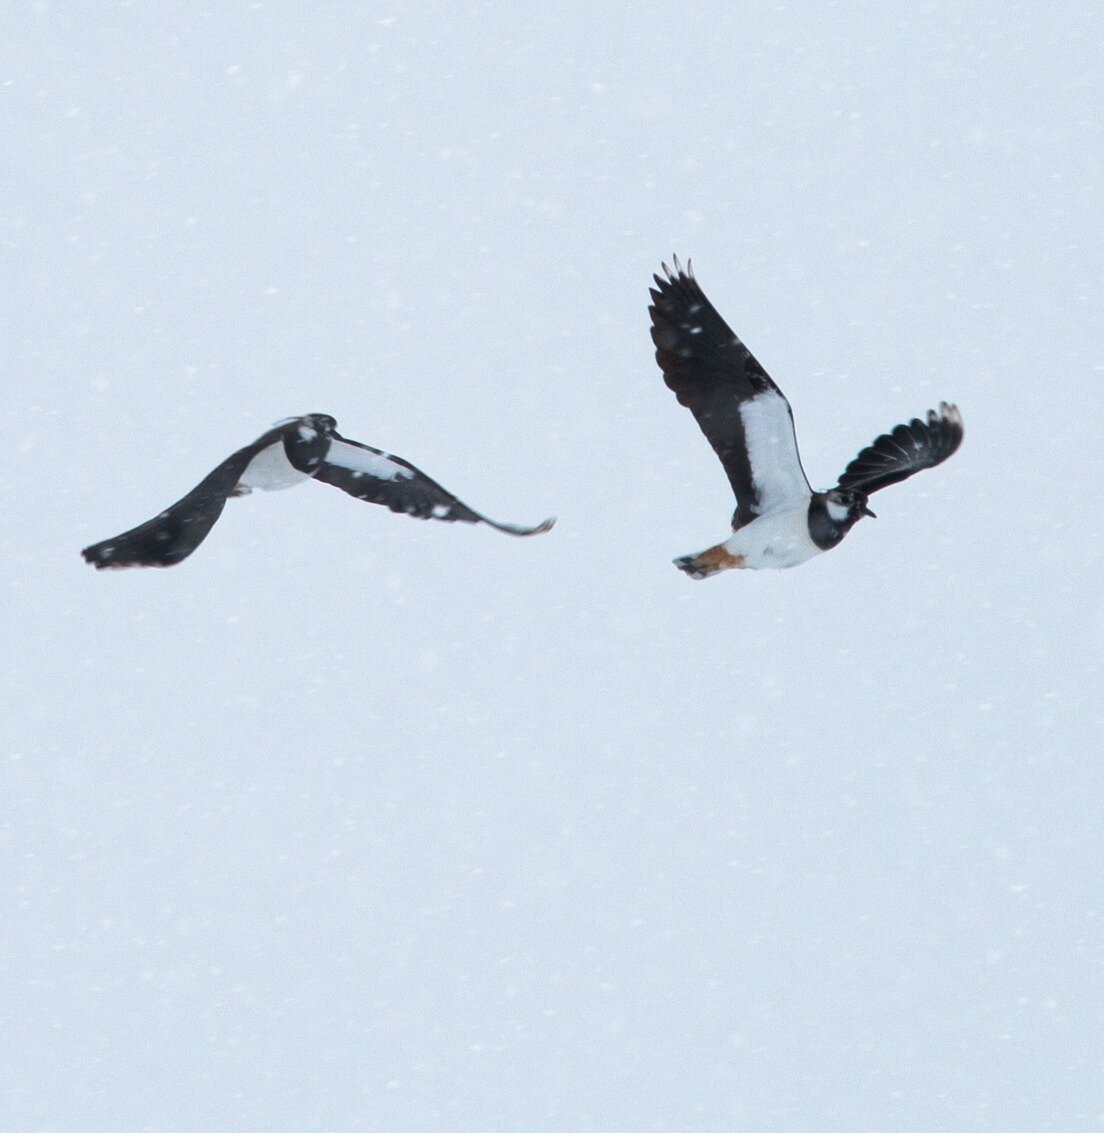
(271, 471)
(780, 539)
(772, 452)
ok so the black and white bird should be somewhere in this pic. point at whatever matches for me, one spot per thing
(294, 450)
(779, 520)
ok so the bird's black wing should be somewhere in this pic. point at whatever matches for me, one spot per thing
(909, 449)
(375, 476)
(742, 413)
(174, 534)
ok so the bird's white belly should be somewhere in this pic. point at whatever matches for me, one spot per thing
(270, 470)
(775, 541)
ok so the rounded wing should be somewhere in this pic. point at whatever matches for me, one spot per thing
(742, 413)
(908, 449)
(175, 533)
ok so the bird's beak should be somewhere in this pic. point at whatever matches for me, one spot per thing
(867, 511)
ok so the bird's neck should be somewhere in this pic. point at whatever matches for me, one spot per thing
(824, 528)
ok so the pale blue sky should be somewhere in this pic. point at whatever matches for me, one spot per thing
(354, 822)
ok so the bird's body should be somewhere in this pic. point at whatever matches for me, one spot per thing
(270, 471)
(784, 538)
(780, 521)
(292, 451)
(780, 539)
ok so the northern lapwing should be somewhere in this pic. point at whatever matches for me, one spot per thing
(292, 451)
(779, 520)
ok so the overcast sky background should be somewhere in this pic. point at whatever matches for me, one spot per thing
(357, 822)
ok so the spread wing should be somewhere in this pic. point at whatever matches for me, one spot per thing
(909, 449)
(176, 532)
(379, 478)
(742, 413)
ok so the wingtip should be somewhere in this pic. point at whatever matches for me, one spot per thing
(680, 271)
(948, 417)
(522, 532)
(674, 273)
(106, 564)
(102, 559)
(97, 555)
(950, 412)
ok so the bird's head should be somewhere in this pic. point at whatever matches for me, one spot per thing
(846, 506)
(322, 422)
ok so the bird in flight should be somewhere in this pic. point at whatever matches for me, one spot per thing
(293, 450)
(779, 520)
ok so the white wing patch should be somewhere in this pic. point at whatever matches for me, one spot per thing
(271, 471)
(776, 472)
(364, 462)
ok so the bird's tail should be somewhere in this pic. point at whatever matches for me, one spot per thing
(710, 562)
